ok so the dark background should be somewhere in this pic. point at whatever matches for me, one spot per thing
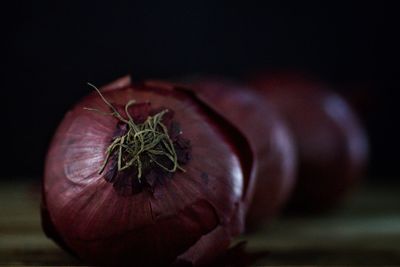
(51, 49)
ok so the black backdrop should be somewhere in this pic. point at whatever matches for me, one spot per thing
(52, 48)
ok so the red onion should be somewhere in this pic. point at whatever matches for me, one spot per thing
(331, 143)
(180, 205)
(271, 158)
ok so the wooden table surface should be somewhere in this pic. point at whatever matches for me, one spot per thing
(365, 231)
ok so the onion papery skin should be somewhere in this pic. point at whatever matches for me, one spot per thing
(272, 156)
(189, 218)
(331, 143)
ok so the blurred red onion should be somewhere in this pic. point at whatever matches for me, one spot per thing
(110, 219)
(331, 143)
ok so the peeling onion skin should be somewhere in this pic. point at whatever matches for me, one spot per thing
(272, 151)
(189, 219)
(332, 145)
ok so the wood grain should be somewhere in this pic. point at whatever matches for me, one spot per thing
(365, 231)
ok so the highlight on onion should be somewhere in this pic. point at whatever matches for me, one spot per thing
(272, 157)
(145, 174)
(331, 143)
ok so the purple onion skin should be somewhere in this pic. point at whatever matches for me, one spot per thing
(272, 155)
(332, 145)
(188, 219)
